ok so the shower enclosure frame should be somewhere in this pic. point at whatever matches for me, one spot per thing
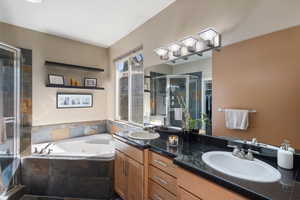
(16, 118)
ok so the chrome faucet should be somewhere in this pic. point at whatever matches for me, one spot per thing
(43, 149)
(150, 129)
(254, 142)
(240, 153)
(49, 151)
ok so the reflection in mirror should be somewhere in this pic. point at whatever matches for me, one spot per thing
(178, 95)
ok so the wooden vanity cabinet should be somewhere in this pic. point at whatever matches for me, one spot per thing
(131, 167)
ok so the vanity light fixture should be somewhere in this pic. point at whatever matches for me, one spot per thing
(206, 40)
(175, 48)
(190, 43)
(210, 36)
(163, 53)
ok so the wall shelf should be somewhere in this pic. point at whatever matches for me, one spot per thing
(74, 87)
(57, 64)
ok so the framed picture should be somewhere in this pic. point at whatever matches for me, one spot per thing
(56, 79)
(90, 82)
(74, 100)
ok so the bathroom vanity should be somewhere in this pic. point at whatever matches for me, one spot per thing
(166, 173)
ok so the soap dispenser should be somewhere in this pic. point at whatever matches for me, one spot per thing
(285, 156)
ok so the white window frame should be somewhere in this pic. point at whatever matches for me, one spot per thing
(117, 97)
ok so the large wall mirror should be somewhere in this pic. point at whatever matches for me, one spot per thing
(179, 94)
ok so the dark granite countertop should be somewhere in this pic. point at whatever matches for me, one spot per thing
(188, 155)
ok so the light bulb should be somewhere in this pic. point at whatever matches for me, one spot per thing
(162, 52)
(211, 36)
(208, 34)
(190, 42)
(175, 48)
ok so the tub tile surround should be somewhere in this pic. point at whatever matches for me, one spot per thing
(55, 132)
(68, 178)
(116, 126)
(50, 133)
(188, 156)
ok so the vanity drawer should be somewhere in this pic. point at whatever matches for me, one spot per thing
(203, 188)
(163, 179)
(162, 163)
(184, 195)
(156, 192)
(132, 152)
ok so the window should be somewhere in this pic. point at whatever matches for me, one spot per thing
(130, 88)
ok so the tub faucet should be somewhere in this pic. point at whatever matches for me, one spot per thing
(43, 149)
(49, 151)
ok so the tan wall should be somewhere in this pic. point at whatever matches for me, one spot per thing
(262, 74)
(50, 47)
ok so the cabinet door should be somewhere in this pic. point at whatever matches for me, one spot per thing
(134, 171)
(120, 175)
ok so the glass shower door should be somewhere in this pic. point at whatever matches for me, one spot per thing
(177, 99)
(9, 115)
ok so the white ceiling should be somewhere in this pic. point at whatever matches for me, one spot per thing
(97, 22)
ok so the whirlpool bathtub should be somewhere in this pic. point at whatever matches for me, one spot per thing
(100, 146)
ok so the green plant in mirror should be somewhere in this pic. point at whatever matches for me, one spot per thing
(199, 123)
(188, 122)
(192, 123)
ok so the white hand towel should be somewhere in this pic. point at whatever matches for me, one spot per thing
(236, 119)
(3, 136)
(178, 113)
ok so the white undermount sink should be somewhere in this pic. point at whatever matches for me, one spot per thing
(256, 170)
(143, 135)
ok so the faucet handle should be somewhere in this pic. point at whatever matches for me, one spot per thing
(232, 146)
(252, 151)
(236, 149)
(249, 155)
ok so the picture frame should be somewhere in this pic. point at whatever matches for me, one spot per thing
(55, 79)
(74, 100)
(90, 82)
